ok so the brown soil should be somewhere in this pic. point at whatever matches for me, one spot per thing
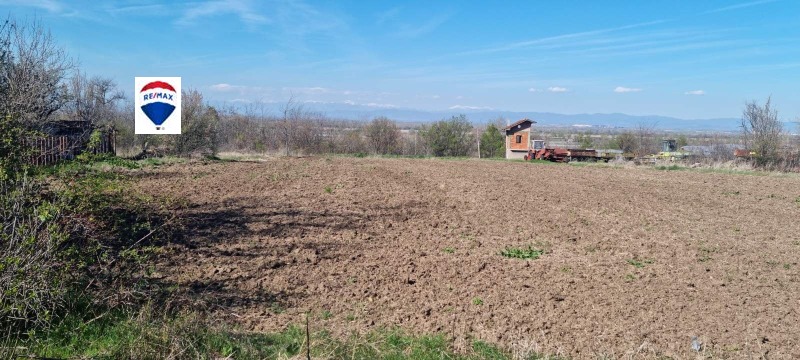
(366, 243)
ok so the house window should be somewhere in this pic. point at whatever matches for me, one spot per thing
(519, 139)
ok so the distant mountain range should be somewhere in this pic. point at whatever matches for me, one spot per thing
(366, 112)
(482, 116)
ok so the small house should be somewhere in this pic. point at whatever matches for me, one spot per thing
(518, 139)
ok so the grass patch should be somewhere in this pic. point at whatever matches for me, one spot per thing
(704, 252)
(477, 301)
(147, 334)
(449, 250)
(640, 263)
(157, 161)
(669, 168)
(529, 253)
(485, 350)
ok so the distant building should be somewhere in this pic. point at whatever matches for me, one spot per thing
(518, 139)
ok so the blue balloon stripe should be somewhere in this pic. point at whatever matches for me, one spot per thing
(158, 112)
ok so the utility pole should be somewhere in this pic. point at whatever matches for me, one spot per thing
(477, 136)
(415, 141)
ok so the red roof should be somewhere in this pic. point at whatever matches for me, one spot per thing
(520, 122)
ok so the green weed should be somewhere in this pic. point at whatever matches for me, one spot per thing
(669, 168)
(477, 301)
(640, 263)
(704, 253)
(529, 253)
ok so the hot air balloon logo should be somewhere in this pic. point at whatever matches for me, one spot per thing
(158, 102)
(158, 99)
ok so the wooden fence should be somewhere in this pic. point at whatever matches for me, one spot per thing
(48, 150)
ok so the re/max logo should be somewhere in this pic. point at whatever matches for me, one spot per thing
(163, 96)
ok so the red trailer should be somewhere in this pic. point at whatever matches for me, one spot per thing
(550, 154)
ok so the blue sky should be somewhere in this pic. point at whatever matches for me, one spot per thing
(688, 59)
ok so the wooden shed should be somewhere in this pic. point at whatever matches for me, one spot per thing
(65, 139)
(518, 138)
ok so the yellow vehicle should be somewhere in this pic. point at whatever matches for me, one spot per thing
(670, 151)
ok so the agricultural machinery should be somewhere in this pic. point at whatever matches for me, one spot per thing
(556, 154)
(669, 152)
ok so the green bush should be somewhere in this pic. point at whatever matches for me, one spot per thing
(31, 270)
(84, 227)
(493, 142)
(451, 137)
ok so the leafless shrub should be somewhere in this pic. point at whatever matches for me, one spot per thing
(32, 70)
(761, 130)
(646, 141)
(199, 124)
(93, 100)
(383, 135)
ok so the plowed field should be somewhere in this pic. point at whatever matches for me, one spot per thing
(636, 261)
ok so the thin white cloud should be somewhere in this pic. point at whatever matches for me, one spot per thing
(435, 97)
(241, 8)
(224, 87)
(55, 7)
(622, 89)
(385, 106)
(558, 38)
(240, 89)
(410, 31)
(387, 15)
(695, 92)
(557, 89)
(137, 9)
(314, 90)
(467, 107)
(48, 5)
(534, 90)
(352, 103)
(739, 6)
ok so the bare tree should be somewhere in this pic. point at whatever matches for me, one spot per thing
(383, 135)
(645, 139)
(290, 112)
(94, 101)
(199, 124)
(762, 132)
(625, 141)
(32, 70)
